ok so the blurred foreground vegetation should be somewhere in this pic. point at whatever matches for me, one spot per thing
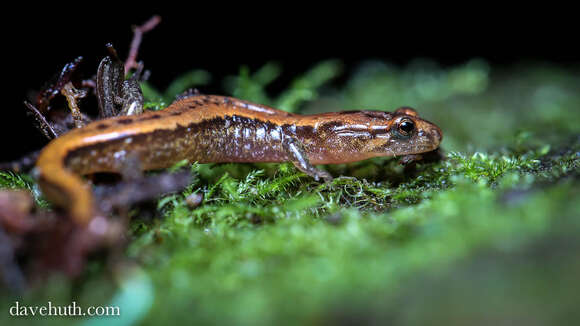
(489, 235)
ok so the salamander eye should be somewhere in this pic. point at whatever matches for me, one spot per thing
(406, 126)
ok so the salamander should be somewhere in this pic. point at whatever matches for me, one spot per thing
(208, 128)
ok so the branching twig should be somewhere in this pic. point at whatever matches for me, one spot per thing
(138, 32)
(55, 86)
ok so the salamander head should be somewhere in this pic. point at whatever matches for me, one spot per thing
(406, 134)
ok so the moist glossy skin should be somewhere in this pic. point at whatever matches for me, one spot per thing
(207, 128)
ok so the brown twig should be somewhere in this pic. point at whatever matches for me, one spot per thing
(41, 122)
(51, 89)
(88, 83)
(138, 32)
(72, 95)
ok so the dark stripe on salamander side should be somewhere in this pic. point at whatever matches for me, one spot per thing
(229, 138)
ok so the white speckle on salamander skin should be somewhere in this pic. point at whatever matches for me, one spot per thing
(119, 155)
(260, 133)
(247, 133)
(275, 134)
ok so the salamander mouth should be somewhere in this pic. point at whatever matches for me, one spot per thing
(422, 149)
(424, 141)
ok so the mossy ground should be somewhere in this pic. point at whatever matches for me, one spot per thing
(488, 235)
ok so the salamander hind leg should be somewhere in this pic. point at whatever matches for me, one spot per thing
(298, 157)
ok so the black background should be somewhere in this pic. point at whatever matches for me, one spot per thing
(39, 41)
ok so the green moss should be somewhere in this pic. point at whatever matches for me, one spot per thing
(486, 234)
(12, 180)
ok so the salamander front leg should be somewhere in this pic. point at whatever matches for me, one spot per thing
(299, 158)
